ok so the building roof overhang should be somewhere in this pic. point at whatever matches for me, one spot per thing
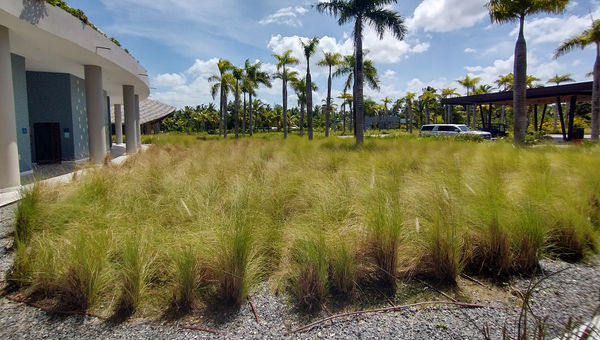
(540, 95)
(52, 40)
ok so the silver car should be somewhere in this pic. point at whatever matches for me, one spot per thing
(451, 130)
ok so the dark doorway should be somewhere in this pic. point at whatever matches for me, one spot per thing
(47, 143)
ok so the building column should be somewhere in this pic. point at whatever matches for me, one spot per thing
(118, 124)
(129, 111)
(95, 105)
(9, 152)
(138, 128)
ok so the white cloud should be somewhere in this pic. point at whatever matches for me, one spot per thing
(389, 73)
(470, 50)
(556, 29)
(169, 80)
(447, 15)
(285, 16)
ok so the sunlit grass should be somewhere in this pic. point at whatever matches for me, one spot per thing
(198, 221)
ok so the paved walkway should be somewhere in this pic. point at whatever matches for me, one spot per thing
(59, 173)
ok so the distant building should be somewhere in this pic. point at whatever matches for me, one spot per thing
(387, 122)
(59, 78)
(152, 113)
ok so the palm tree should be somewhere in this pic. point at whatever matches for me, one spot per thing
(238, 75)
(330, 60)
(427, 98)
(586, 38)
(505, 84)
(447, 93)
(361, 12)
(255, 77)
(470, 84)
(283, 60)
(409, 98)
(557, 80)
(347, 67)
(310, 47)
(224, 87)
(347, 99)
(299, 86)
(502, 11)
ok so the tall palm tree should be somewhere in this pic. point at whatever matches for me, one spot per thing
(409, 98)
(310, 47)
(504, 83)
(299, 86)
(557, 80)
(330, 60)
(586, 38)
(347, 68)
(447, 93)
(223, 86)
(283, 60)
(346, 100)
(470, 84)
(502, 11)
(255, 78)
(428, 97)
(238, 75)
(364, 12)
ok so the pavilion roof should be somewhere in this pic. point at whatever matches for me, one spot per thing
(539, 95)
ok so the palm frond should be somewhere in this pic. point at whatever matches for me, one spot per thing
(384, 19)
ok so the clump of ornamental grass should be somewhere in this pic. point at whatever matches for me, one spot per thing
(489, 250)
(441, 237)
(343, 269)
(308, 278)
(85, 272)
(134, 270)
(529, 233)
(384, 225)
(188, 278)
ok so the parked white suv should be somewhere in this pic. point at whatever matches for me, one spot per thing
(451, 130)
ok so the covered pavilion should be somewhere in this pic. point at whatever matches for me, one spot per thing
(541, 96)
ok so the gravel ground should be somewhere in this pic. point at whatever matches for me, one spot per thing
(574, 293)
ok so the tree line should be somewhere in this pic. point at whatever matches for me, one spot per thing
(244, 81)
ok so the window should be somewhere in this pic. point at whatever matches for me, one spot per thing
(463, 127)
(446, 128)
(427, 128)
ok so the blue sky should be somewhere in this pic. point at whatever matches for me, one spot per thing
(179, 42)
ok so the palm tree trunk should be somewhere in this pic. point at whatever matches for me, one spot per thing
(328, 114)
(244, 115)
(221, 111)
(503, 116)
(302, 108)
(250, 128)
(224, 114)
(410, 117)
(284, 93)
(358, 85)
(344, 117)
(309, 101)
(596, 96)
(427, 115)
(237, 110)
(351, 108)
(519, 87)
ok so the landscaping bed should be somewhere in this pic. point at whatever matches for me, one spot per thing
(184, 233)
